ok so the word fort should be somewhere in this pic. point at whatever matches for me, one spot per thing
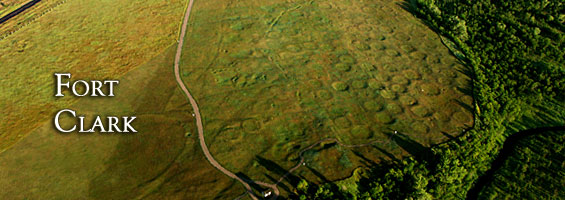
(93, 88)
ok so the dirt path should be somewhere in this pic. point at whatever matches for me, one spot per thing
(198, 117)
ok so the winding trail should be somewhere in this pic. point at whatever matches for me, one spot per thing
(198, 117)
(245, 182)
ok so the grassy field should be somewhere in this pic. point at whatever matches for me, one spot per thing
(90, 39)
(272, 77)
(158, 160)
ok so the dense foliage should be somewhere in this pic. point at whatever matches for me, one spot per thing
(514, 50)
(531, 170)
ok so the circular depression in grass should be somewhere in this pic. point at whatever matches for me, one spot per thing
(444, 80)
(392, 52)
(343, 67)
(315, 83)
(293, 48)
(342, 122)
(250, 125)
(417, 55)
(361, 132)
(442, 116)
(384, 118)
(430, 89)
(367, 66)
(310, 46)
(394, 108)
(339, 86)
(408, 100)
(408, 48)
(388, 94)
(358, 84)
(412, 75)
(398, 79)
(362, 46)
(421, 111)
(374, 84)
(373, 105)
(420, 127)
(398, 88)
(382, 77)
(461, 117)
(324, 94)
(347, 59)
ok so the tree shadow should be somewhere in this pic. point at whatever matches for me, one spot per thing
(465, 106)
(386, 153)
(281, 184)
(250, 182)
(318, 174)
(277, 169)
(417, 150)
(366, 161)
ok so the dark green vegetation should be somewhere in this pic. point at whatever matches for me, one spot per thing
(529, 168)
(514, 50)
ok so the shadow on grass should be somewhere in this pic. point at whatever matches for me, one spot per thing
(417, 150)
(277, 169)
(251, 183)
(367, 162)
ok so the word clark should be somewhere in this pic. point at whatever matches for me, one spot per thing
(93, 88)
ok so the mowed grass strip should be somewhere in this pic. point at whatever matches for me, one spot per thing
(90, 39)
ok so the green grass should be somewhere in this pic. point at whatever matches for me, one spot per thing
(320, 67)
(90, 39)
